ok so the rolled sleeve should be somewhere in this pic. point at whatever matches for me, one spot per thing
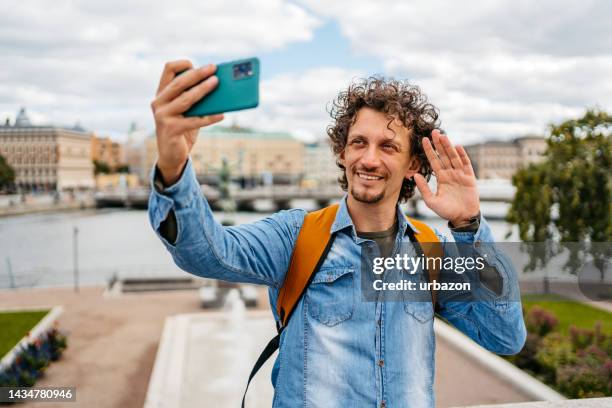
(257, 252)
(494, 316)
(494, 275)
(176, 197)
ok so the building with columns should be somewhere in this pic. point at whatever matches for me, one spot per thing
(320, 167)
(47, 157)
(135, 155)
(254, 156)
(500, 160)
(105, 150)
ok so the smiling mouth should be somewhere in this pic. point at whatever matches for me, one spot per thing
(371, 177)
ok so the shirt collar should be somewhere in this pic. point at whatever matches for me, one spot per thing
(343, 220)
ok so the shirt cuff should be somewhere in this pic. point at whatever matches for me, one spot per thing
(482, 234)
(483, 243)
(177, 196)
(471, 227)
(158, 180)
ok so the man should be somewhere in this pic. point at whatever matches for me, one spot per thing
(337, 350)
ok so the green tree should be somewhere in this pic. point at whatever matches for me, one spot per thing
(568, 196)
(101, 167)
(123, 168)
(7, 174)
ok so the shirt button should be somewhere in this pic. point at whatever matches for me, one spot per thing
(378, 322)
(477, 244)
(383, 404)
(381, 363)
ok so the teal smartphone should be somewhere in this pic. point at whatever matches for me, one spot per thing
(238, 89)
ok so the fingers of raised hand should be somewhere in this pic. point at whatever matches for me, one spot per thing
(432, 157)
(187, 124)
(437, 138)
(177, 126)
(170, 70)
(451, 153)
(424, 189)
(201, 121)
(186, 99)
(184, 82)
(465, 160)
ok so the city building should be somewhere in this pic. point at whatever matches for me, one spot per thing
(135, 153)
(254, 157)
(117, 181)
(320, 167)
(500, 160)
(47, 157)
(147, 150)
(105, 150)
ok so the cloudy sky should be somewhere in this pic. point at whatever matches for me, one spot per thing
(495, 69)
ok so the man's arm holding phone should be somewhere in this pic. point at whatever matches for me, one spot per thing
(175, 133)
(258, 252)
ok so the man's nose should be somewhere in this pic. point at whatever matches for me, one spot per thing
(370, 158)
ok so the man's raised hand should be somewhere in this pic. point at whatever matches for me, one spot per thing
(456, 198)
(175, 133)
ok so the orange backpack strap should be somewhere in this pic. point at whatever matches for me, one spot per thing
(431, 247)
(311, 247)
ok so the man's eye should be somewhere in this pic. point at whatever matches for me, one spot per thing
(389, 147)
(358, 142)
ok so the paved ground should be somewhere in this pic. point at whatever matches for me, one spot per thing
(460, 381)
(113, 341)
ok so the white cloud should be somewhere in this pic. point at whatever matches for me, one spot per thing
(99, 62)
(495, 69)
(79, 29)
(297, 102)
(574, 27)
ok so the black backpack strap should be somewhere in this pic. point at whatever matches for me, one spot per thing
(263, 357)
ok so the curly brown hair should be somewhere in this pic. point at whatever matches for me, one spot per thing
(399, 99)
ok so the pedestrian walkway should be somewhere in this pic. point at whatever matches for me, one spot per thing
(113, 342)
(208, 357)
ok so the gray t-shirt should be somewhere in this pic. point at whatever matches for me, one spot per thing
(384, 239)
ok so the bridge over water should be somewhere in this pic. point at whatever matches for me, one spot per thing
(282, 196)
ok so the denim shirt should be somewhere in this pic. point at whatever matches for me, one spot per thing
(337, 350)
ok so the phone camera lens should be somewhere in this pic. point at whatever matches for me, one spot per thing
(242, 70)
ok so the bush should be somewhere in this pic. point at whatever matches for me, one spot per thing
(589, 376)
(33, 359)
(540, 321)
(57, 343)
(577, 364)
(555, 351)
(582, 338)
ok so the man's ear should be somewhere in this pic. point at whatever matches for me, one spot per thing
(413, 168)
(341, 157)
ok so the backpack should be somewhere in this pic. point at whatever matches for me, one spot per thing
(311, 247)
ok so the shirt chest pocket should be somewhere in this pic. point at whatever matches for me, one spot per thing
(330, 296)
(418, 303)
(421, 311)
